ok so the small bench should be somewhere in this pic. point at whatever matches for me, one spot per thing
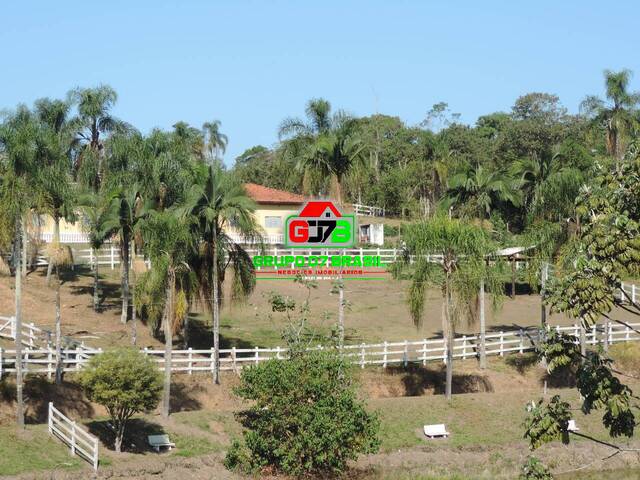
(572, 427)
(159, 441)
(437, 430)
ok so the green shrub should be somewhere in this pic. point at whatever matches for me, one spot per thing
(306, 416)
(124, 381)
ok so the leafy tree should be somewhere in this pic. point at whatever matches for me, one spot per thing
(219, 206)
(326, 146)
(305, 416)
(619, 115)
(478, 191)
(125, 382)
(215, 142)
(170, 245)
(461, 266)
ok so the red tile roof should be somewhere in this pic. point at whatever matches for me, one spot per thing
(262, 194)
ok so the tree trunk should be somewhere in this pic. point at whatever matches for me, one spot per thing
(605, 345)
(543, 282)
(483, 344)
(124, 269)
(583, 340)
(168, 343)
(449, 333)
(55, 240)
(58, 331)
(134, 318)
(216, 307)
(513, 277)
(119, 437)
(341, 313)
(18, 343)
(96, 286)
(23, 250)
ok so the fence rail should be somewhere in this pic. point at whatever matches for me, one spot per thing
(80, 442)
(43, 361)
(34, 337)
(368, 210)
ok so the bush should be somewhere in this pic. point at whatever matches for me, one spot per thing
(124, 381)
(306, 417)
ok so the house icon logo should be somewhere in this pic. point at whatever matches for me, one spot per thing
(320, 224)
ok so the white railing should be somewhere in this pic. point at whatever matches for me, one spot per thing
(368, 210)
(80, 442)
(34, 337)
(66, 237)
(267, 239)
(43, 361)
(107, 255)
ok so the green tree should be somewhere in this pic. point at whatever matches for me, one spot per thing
(477, 191)
(619, 115)
(450, 255)
(220, 207)
(305, 416)
(326, 146)
(215, 142)
(125, 382)
(169, 244)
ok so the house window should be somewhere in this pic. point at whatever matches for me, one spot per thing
(273, 222)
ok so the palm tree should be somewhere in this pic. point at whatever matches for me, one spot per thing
(478, 190)
(93, 122)
(618, 116)
(216, 204)
(215, 142)
(19, 146)
(95, 209)
(55, 189)
(325, 146)
(169, 244)
(462, 249)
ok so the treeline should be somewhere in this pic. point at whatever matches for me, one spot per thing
(513, 168)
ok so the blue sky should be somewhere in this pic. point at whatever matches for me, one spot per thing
(250, 64)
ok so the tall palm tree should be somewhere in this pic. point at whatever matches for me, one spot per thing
(618, 115)
(458, 275)
(325, 146)
(56, 193)
(93, 123)
(479, 190)
(95, 210)
(169, 243)
(215, 142)
(19, 145)
(216, 204)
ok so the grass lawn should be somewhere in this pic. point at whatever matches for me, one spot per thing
(34, 449)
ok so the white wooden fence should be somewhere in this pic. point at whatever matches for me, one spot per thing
(368, 210)
(34, 337)
(80, 442)
(43, 361)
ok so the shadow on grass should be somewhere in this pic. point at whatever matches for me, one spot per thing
(522, 362)
(562, 377)
(182, 399)
(135, 436)
(201, 337)
(417, 380)
(38, 392)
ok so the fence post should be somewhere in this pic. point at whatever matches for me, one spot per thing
(424, 351)
(627, 331)
(464, 347)
(95, 454)
(49, 362)
(501, 343)
(234, 366)
(405, 359)
(594, 333)
(113, 264)
(78, 359)
(73, 438)
(384, 355)
(0, 363)
(257, 355)
(521, 346)
(362, 355)
(190, 360)
(278, 357)
(31, 328)
(633, 293)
